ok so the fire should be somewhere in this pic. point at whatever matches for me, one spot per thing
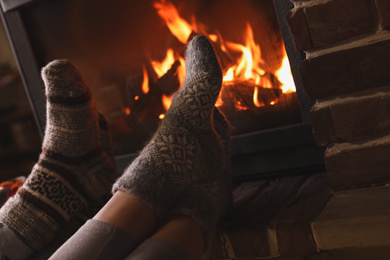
(256, 100)
(177, 25)
(284, 75)
(249, 65)
(162, 67)
(166, 100)
(145, 83)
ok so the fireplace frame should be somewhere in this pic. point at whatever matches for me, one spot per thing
(270, 153)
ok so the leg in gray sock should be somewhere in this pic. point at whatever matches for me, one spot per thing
(97, 240)
(186, 147)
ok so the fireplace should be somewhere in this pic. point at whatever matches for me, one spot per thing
(131, 55)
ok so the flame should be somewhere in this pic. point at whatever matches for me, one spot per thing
(256, 101)
(284, 75)
(249, 65)
(181, 70)
(177, 25)
(127, 110)
(162, 67)
(145, 83)
(166, 100)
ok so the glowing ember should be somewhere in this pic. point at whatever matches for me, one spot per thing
(166, 100)
(127, 111)
(256, 100)
(145, 83)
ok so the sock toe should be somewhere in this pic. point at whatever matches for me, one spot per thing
(63, 80)
(201, 58)
(194, 103)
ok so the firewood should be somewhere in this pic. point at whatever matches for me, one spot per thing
(169, 83)
(240, 95)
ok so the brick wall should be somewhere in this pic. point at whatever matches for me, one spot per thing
(347, 70)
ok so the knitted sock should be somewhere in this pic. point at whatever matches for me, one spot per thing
(207, 200)
(73, 172)
(186, 146)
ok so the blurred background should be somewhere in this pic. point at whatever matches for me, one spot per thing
(20, 140)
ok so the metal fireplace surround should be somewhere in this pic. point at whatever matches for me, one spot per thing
(271, 153)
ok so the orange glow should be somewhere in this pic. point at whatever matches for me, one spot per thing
(145, 83)
(284, 75)
(162, 67)
(166, 100)
(248, 68)
(177, 25)
(161, 116)
(256, 101)
(181, 71)
(127, 111)
(248, 65)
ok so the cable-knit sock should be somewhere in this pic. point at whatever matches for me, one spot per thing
(207, 200)
(186, 146)
(73, 173)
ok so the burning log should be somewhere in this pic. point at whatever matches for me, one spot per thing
(169, 83)
(140, 102)
(244, 95)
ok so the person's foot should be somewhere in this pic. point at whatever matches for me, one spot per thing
(76, 168)
(186, 147)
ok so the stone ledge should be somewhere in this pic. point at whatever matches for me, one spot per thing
(355, 218)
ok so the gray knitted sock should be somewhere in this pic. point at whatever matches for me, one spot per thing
(207, 200)
(186, 147)
(74, 172)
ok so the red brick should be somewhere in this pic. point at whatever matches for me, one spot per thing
(358, 164)
(383, 13)
(247, 230)
(347, 71)
(296, 20)
(337, 20)
(362, 118)
(353, 118)
(321, 122)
